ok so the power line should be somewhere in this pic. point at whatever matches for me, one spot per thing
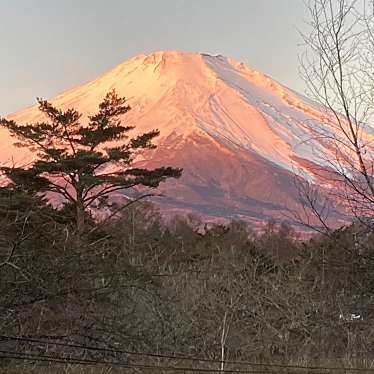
(143, 354)
(186, 358)
(20, 356)
(67, 360)
(112, 350)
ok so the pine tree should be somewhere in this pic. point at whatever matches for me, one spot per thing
(72, 156)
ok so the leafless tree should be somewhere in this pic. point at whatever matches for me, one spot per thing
(338, 68)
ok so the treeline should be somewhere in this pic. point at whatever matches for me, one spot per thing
(217, 292)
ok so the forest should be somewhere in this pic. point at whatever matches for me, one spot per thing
(137, 295)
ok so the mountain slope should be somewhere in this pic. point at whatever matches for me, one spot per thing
(238, 134)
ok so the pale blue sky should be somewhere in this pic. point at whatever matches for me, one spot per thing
(48, 46)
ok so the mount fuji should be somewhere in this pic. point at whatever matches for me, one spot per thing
(240, 136)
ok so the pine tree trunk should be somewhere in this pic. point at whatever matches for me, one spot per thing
(80, 222)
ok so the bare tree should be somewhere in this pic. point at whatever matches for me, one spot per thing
(338, 68)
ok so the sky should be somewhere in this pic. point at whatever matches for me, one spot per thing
(48, 46)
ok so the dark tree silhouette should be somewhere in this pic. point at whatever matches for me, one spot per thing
(72, 156)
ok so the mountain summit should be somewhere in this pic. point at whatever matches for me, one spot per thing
(239, 135)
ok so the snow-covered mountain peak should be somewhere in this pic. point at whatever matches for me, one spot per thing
(230, 127)
(182, 92)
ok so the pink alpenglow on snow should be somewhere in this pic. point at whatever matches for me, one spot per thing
(239, 135)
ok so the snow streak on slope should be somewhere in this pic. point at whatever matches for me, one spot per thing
(219, 108)
(183, 92)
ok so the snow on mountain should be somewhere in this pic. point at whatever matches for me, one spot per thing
(239, 135)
